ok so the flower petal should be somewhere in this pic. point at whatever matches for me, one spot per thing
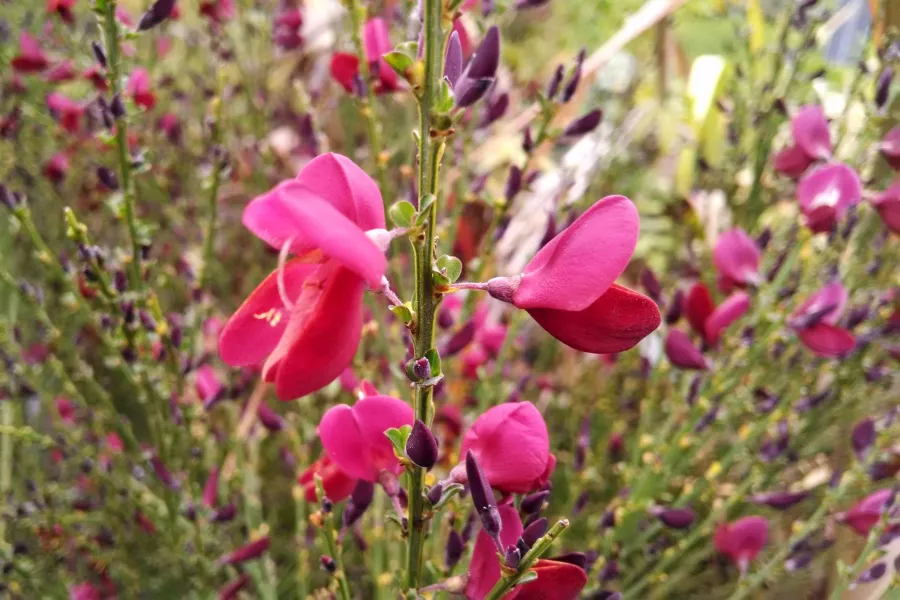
(484, 568)
(344, 69)
(887, 204)
(375, 39)
(732, 309)
(737, 256)
(827, 340)
(831, 294)
(577, 266)
(555, 581)
(698, 305)
(615, 322)
(792, 162)
(253, 331)
(810, 130)
(339, 181)
(682, 353)
(835, 186)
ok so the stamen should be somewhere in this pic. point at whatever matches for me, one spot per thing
(282, 288)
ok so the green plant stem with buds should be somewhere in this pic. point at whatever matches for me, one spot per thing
(507, 583)
(425, 301)
(114, 77)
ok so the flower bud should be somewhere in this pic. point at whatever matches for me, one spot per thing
(863, 438)
(270, 419)
(527, 140)
(247, 552)
(575, 78)
(883, 87)
(511, 557)
(158, 12)
(533, 503)
(421, 446)
(454, 549)
(453, 59)
(682, 353)
(579, 559)
(117, 107)
(482, 496)
(555, 81)
(435, 493)
(583, 125)
(99, 53)
(534, 532)
(513, 183)
(479, 74)
(360, 500)
(329, 565)
(676, 518)
(224, 514)
(779, 500)
(873, 573)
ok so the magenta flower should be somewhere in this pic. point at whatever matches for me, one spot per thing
(97, 77)
(826, 193)
(742, 540)
(725, 315)
(569, 286)
(353, 437)
(207, 385)
(812, 142)
(866, 513)
(31, 58)
(890, 147)
(66, 111)
(218, 11)
(250, 551)
(887, 203)
(56, 168)
(698, 305)
(63, 8)
(84, 591)
(512, 447)
(64, 71)
(66, 410)
(337, 484)
(376, 42)
(304, 321)
(815, 322)
(736, 257)
(139, 88)
(682, 353)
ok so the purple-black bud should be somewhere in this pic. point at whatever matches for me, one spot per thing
(527, 140)
(99, 53)
(421, 446)
(651, 284)
(873, 573)
(693, 390)
(224, 514)
(148, 322)
(459, 340)
(435, 493)
(327, 505)
(676, 518)
(533, 503)
(107, 178)
(453, 60)
(454, 550)
(482, 496)
(270, 419)
(534, 532)
(863, 438)
(158, 12)
(779, 500)
(513, 183)
(579, 559)
(117, 107)
(329, 565)
(555, 82)
(479, 74)
(360, 499)
(583, 125)
(511, 557)
(883, 86)
(575, 78)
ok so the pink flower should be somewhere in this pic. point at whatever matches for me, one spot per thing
(890, 147)
(31, 59)
(63, 8)
(698, 305)
(682, 353)
(736, 257)
(64, 71)
(826, 194)
(353, 437)
(887, 203)
(287, 30)
(724, 316)
(211, 489)
(812, 142)
(208, 386)
(250, 551)
(123, 17)
(56, 168)
(305, 319)
(866, 513)
(742, 540)
(556, 581)
(218, 11)
(569, 286)
(97, 77)
(84, 591)
(66, 410)
(139, 88)
(512, 446)
(337, 484)
(815, 322)
(66, 111)
(171, 127)
(376, 42)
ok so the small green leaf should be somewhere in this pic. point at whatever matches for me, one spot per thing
(403, 312)
(528, 577)
(398, 438)
(444, 101)
(450, 266)
(439, 279)
(434, 359)
(399, 62)
(402, 213)
(447, 494)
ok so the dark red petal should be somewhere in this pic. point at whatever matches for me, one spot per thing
(698, 305)
(827, 340)
(344, 68)
(556, 581)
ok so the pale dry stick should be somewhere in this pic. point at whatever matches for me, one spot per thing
(248, 419)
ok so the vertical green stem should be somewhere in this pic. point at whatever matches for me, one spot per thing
(425, 303)
(114, 76)
(6, 456)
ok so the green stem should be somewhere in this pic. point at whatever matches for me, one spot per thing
(6, 456)
(334, 551)
(114, 76)
(213, 200)
(425, 301)
(507, 583)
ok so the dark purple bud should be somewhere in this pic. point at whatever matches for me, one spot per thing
(487, 7)
(120, 280)
(676, 518)
(575, 78)
(360, 89)
(707, 419)
(224, 514)
(798, 561)
(580, 503)
(883, 87)
(421, 446)
(469, 528)
(147, 321)
(513, 183)
(651, 284)
(482, 496)
(327, 505)
(158, 12)
(459, 340)
(497, 107)
(454, 550)
(421, 369)
(873, 573)
(480, 72)
(863, 438)
(434, 493)
(511, 557)
(579, 559)
(453, 59)
(857, 316)
(270, 419)
(766, 401)
(329, 565)
(117, 107)
(693, 390)
(609, 572)
(583, 125)
(526, 4)
(527, 140)
(248, 552)
(807, 403)
(779, 500)
(762, 241)
(10, 199)
(555, 82)
(533, 503)
(472, 90)
(99, 53)
(534, 532)
(360, 499)
(128, 312)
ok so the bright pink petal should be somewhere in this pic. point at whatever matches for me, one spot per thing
(293, 211)
(792, 162)
(339, 181)
(742, 540)
(511, 444)
(555, 581)
(322, 334)
(867, 512)
(253, 331)
(829, 341)
(375, 39)
(484, 568)
(353, 437)
(832, 295)
(732, 309)
(810, 129)
(682, 353)
(577, 266)
(835, 187)
(344, 69)
(737, 256)
(615, 322)
(887, 204)
(890, 147)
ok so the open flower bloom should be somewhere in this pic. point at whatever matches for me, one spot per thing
(345, 66)
(336, 483)
(826, 194)
(30, 59)
(736, 257)
(866, 513)
(742, 540)
(890, 147)
(887, 203)
(353, 437)
(812, 142)
(304, 320)
(815, 322)
(569, 286)
(556, 580)
(512, 447)
(139, 88)
(66, 111)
